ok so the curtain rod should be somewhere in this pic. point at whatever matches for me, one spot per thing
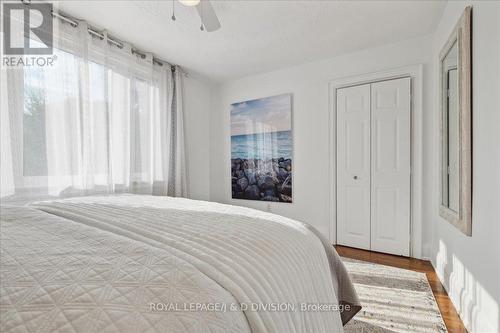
(110, 40)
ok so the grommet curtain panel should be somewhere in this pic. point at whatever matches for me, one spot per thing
(100, 120)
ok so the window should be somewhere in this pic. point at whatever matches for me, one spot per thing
(96, 121)
(34, 148)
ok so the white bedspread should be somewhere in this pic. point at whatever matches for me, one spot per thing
(60, 276)
(233, 255)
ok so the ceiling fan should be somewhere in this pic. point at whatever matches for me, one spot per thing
(209, 20)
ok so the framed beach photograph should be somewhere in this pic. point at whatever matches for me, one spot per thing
(262, 149)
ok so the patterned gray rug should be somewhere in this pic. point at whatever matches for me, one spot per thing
(393, 299)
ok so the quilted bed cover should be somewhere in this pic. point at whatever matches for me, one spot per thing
(135, 263)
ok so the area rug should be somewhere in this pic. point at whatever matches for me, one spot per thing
(393, 300)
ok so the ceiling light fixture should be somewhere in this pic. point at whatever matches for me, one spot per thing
(189, 3)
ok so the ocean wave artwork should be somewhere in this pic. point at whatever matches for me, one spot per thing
(262, 149)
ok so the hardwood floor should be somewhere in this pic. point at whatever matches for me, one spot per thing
(452, 320)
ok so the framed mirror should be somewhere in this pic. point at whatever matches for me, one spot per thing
(456, 128)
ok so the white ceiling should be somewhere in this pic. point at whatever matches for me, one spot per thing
(258, 35)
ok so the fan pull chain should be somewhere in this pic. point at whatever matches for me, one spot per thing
(173, 10)
(202, 28)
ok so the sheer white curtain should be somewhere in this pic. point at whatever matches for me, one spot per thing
(101, 120)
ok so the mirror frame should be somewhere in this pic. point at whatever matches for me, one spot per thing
(462, 34)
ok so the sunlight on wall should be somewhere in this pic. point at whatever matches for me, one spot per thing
(441, 260)
(477, 308)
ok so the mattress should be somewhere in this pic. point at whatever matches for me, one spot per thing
(158, 264)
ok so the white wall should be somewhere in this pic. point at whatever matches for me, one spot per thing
(470, 266)
(197, 94)
(309, 85)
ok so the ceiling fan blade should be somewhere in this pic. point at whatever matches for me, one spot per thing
(208, 16)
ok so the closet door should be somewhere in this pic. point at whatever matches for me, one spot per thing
(353, 166)
(390, 166)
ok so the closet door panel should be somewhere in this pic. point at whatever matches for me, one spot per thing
(390, 166)
(353, 166)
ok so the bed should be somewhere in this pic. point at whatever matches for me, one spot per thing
(133, 263)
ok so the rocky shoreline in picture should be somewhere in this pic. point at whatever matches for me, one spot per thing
(265, 180)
